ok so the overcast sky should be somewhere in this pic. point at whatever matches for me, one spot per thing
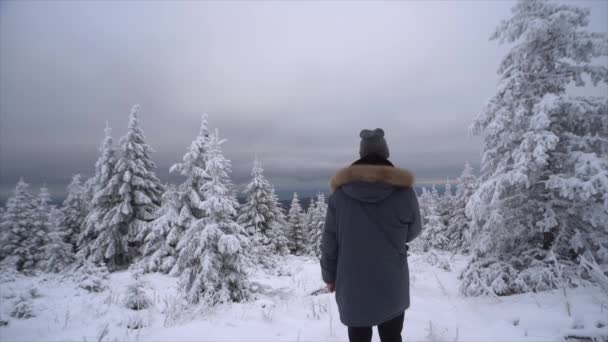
(291, 81)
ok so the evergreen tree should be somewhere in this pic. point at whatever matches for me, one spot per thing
(309, 224)
(210, 259)
(544, 180)
(102, 197)
(424, 201)
(296, 227)
(317, 225)
(260, 215)
(139, 189)
(21, 244)
(433, 235)
(74, 211)
(58, 254)
(278, 232)
(162, 235)
(181, 207)
(445, 206)
(128, 201)
(459, 224)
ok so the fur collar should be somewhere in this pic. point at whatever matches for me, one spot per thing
(372, 173)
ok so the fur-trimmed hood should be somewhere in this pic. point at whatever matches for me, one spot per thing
(373, 174)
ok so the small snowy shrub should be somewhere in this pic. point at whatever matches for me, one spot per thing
(435, 335)
(487, 277)
(136, 298)
(318, 308)
(34, 293)
(91, 277)
(7, 274)
(102, 332)
(175, 308)
(22, 308)
(136, 322)
(435, 259)
(268, 308)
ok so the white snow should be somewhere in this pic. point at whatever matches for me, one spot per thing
(282, 309)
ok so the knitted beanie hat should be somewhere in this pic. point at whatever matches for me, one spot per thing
(373, 142)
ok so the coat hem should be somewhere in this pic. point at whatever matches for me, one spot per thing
(373, 323)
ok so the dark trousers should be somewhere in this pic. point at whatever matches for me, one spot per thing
(389, 331)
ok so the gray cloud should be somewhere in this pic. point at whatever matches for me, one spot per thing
(293, 82)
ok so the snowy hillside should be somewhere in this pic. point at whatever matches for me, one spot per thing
(283, 310)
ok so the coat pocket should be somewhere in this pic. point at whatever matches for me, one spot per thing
(403, 221)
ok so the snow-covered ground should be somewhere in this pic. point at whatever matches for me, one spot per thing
(284, 310)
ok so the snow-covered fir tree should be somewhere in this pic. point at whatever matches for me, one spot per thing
(261, 215)
(210, 259)
(139, 189)
(424, 200)
(458, 226)
(296, 223)
(58, 253)
(445, 206)
(181, 207)
(128, 201)
(74, 210)
(308, 223)
(162, 235)
(317, 225)
(102, 197)
(135, 297)
(90, 276)
(18, 230)
(278, 235)
(433, 234)
(543, 195)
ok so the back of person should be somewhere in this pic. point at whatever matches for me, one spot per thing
(372, 213)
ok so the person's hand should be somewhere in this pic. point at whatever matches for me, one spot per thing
(331, 287)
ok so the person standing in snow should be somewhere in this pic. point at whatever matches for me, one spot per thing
(372, 213)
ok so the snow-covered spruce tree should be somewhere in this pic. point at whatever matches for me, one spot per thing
(182, 206)
(278, 233)
(261, 216)
(18, 223)
(163, 234)
(433, 235)
(135, 296)
(458, 226)
(136, 194)
(543, 195)
(89, 192)
(74, 211)
(139, 188)
(445, 206)
(102, 196)
(297, 227)
(308, 223)
(424, 199)
(58, 254)
(210, 259)
(317, 225)
(90, 276)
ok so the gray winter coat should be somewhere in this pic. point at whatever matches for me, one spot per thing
(371, 276)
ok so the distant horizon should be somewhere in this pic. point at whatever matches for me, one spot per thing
(59, 193)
